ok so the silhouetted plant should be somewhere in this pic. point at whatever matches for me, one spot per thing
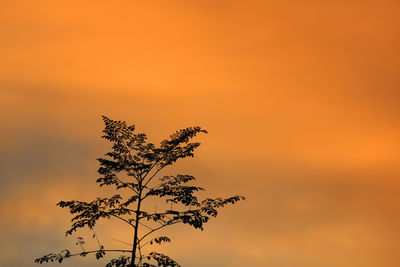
(132, 165)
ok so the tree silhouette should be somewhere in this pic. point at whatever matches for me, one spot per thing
(132, 166)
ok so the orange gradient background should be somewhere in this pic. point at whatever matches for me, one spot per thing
(300, 98)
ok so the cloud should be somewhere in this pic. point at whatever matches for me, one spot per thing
(299, 100)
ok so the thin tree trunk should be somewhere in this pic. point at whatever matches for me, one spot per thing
(135, 236)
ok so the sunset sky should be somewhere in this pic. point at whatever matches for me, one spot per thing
(300, 99)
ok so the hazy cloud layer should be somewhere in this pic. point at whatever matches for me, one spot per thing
(299, 98)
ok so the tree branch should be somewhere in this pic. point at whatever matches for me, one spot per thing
(156, 229)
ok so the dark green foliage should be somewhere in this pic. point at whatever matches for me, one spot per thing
(131, 166)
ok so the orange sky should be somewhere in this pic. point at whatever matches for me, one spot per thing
(300, 99)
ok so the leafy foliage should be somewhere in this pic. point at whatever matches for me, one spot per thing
(54, 257)
(122, 261)
(162, 260)
(131, 166)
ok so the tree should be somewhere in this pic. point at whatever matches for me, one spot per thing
(131, 167)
